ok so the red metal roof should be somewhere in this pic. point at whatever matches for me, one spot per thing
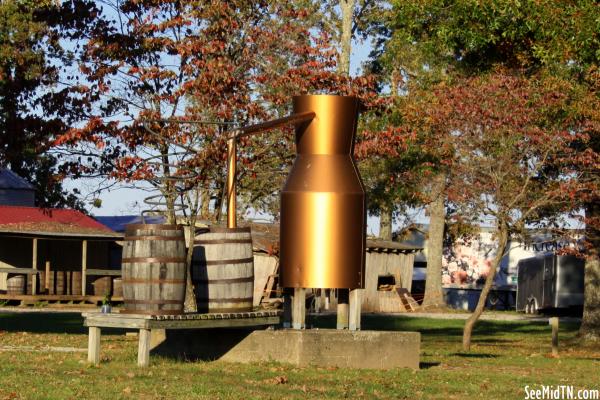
(32, 215)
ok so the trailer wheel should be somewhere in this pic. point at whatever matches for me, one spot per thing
(531, 307)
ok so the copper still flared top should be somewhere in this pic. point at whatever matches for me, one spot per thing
(323, 216)
(333, 128)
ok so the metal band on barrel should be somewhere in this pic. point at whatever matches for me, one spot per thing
(231, 280)
(222, 241)
(216, 229)
(131, 260)
(144, 238)
(224, 262)
(132, 301)
(159, 281)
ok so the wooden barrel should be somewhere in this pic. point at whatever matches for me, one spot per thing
(41, 289)
(57, 284)
(76, 283)
(154, 269)
(117, 287)
(223, 270)
(60, 282)
(15, 284)
(68, 282)
(29, 282)
(102, 286)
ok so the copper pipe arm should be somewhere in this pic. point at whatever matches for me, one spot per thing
(293, 119)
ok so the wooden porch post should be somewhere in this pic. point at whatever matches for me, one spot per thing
(47, 280)
(83, 266)
(34, 266)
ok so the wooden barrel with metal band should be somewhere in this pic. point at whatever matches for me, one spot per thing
(223, 270)
(15, 284)
(76, 283)
(153, 269)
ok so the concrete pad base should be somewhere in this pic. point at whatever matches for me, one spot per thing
(312, 347)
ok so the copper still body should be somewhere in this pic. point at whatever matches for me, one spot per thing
(323, 214)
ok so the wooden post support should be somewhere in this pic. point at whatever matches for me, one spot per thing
(94, 345)
(299, 308)
(83, 267)
(342, 309)
(34, 266)
(317, 301)
(355, 301)
(144, 347)
(287, 307)
(554, 324)
(47, 280)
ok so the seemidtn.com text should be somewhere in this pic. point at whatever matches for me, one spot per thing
(562, 392)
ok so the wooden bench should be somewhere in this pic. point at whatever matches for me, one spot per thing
(145, 323)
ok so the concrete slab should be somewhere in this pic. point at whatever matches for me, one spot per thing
(311, 347)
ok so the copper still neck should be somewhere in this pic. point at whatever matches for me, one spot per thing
(332, 130)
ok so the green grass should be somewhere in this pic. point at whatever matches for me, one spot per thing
(506, 356)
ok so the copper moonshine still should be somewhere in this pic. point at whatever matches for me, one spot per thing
(323, 207)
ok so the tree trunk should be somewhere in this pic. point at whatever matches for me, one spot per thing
(385, 222)
(347, 8)
(435, 243)
(502, 233)
(590, 323)
(204, 207)
(189, 304)
(219, 201)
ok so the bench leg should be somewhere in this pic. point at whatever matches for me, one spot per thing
(94, 345)
(144, 348)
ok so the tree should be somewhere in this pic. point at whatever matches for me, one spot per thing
(512, 136)
(227, 64)
(37, 100)
(470, 38)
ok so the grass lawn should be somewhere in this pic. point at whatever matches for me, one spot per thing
(506, 356)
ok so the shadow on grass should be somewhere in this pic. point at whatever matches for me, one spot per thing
(492, 340)
(54, 322)
(474, 355)
(439, 327)
(427, 365)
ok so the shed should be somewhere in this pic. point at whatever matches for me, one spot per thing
(389, 267)
(53, 252)
(14, 190)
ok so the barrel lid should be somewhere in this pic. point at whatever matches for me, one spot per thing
(222, 229)
(130, 227)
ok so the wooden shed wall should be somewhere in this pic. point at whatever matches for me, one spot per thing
(399, 265)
